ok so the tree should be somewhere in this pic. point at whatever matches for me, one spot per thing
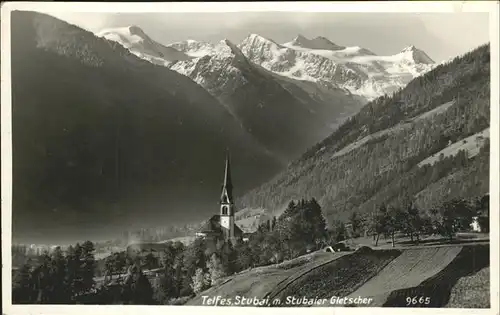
(380, 221)
(455, 215)
(178, 247)
(301, 227)
(427, 226)
(87, 266)
(73, 269)
(60, 293)
(272, 248)
(317, 226)
(167, 282)
(483, 213)
(23, 291)
(244, 255)
(356, 222)
(109, 267)
(228, 257)
(201, 281)
(150, 261)
(42, 280)
(137, 289)
(181, 280)
(120, 262)
(394, 222)
(194, 257)
(415, 222)
(215, 269)
(337, 233)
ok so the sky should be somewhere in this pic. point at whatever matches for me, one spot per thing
(441, 35)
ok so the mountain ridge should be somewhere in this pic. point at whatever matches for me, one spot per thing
(226, 73)
(259, 98)
(384, 167)
(319, 60)
(139, 43)
(318, 42)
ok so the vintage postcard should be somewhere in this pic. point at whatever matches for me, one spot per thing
(204, 157)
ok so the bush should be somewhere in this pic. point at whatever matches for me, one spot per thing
(364, 250)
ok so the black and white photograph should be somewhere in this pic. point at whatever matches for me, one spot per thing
(226, 156)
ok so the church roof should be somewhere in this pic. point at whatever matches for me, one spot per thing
(212, 225)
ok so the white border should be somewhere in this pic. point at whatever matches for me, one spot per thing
(362, 6)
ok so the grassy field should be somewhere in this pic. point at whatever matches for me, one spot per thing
(340, 277)
(407, 270)
(427, 240)
(472, 291)
(450, 275)
(438, 288)
(259, 282)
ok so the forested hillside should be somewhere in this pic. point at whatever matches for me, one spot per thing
(374, 156)
(100, 136)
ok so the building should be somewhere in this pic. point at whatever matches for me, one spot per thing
(221, 226)
(475, 225)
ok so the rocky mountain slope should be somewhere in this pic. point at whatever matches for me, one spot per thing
(194, 48)
(284, 114)
(100, 132)
(355, 69)
(387, 152)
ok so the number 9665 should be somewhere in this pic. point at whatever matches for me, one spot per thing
(417, 300)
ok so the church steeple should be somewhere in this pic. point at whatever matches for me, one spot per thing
(227, 204)
(227, 188)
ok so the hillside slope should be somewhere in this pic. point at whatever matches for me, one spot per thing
(385, 277)
(409, 269)
(373, 157)
(94, 132)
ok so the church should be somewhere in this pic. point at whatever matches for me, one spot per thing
(221, 226)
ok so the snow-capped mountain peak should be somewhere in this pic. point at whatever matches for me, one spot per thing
(408, 48)
(220, 70)
(317, 60)
(319, 42)
(137, 42)
(256, 46)
(227, 48)
(255, 39)
(194, 48)
(300, 39)
(416, 55)
(353, 68)
(127, 36)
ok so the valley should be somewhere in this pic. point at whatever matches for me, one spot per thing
(320, 171)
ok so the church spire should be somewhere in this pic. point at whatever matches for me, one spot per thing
(227, 189)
